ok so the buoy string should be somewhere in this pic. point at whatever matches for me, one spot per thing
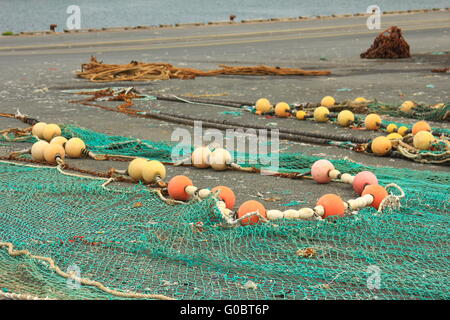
(288, 134)
(124, 108)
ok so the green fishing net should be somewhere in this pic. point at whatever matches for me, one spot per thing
(180, 251)
(421, 112)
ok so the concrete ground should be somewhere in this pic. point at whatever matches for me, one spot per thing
(49, 62)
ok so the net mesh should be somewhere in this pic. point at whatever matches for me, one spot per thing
(155, 248)
(421, 111)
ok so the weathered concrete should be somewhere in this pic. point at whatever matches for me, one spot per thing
(51, 61)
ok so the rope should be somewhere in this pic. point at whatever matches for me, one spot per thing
(392, 201)
(19, 296)
(85, 281)
(403, 148)
(201, 103)
(139, 71)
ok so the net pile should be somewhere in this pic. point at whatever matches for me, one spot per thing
(154, 248)
(439, 112)
(139, 71)
(389, 44)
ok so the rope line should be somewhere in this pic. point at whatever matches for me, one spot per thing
(85, 281)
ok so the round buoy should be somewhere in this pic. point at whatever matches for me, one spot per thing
(420, 126)
(381, 146)
(327, 101)
(135, 168)
(372, 121)
(226, 195)
(391, 128)
(50, 131)
(402, 130)
(394, 136)
(177, 188)
(52, 152)
(37, 150)
(378, 193)
(251, 206)
(362, 179)
(74, 147)
(59, 140)
(300, 115)
(332, 205)
(407, 106)
(152, 170)
(38, 130)
(320, 171)
(282, 110)
(345, 118)
(219, 159)
(200, 157)
(423, 140)
(263, 105)
(321, 114)
(360, 100)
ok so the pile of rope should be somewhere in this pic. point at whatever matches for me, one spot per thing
(389, 44)
(139, 71)
(439, 152)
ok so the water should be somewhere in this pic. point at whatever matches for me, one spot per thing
(31, 15)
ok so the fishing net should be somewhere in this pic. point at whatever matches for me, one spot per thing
(389, 44)
(134, 243)
(437, 112)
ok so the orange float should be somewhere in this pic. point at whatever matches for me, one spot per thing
(263, 105)
(177, 188)
(282, 110)
(300, 115)
(226, 195)
(403, 131)
(363, 179)
(378, 192)
(420, 126)
(407, 106)
(372, 121)
(52, 152)
(381, 146)
(332, 204)
(251, 206)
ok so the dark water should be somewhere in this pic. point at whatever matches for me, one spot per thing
(29, 15)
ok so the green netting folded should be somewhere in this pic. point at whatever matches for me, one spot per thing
(421, 112)
(155, 247)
